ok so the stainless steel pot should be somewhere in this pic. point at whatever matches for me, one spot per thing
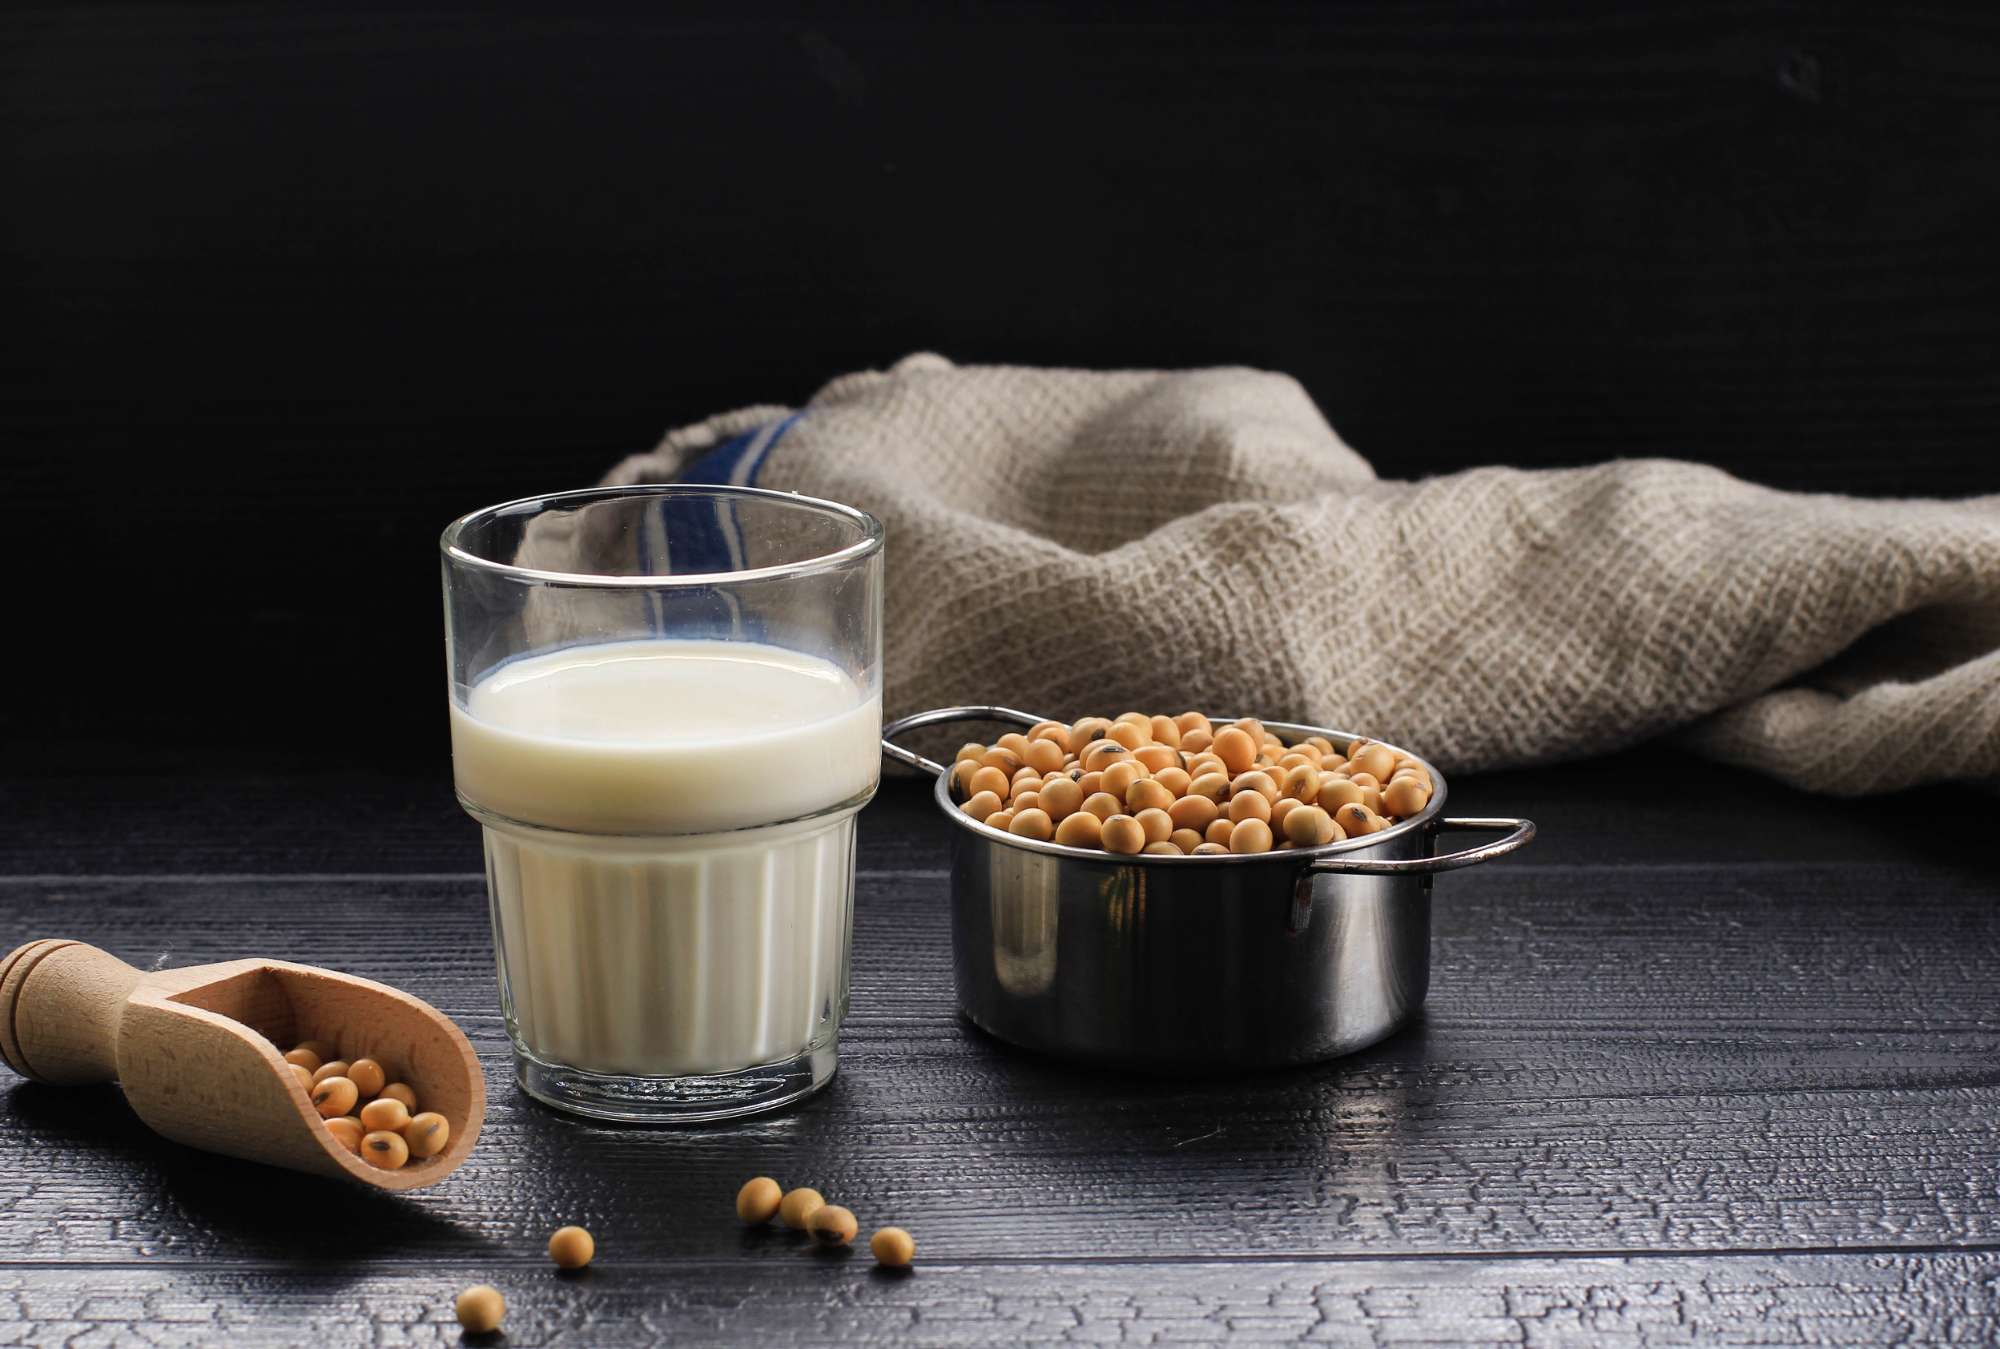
(1193, 964)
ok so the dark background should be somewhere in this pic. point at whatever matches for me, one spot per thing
(285, 290)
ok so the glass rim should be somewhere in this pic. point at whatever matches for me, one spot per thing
(870, 541)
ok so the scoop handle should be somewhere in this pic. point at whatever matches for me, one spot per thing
(60, 1005)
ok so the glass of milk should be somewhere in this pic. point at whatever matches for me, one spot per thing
(666, 704)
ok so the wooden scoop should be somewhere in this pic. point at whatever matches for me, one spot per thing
(199, 1051)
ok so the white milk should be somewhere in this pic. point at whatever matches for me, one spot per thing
(651, 918)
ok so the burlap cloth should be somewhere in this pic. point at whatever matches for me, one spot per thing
(1078, 542)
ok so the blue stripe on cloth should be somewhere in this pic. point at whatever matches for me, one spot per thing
(694, 537)
(717, 468)
(763, 452)
(736, 462)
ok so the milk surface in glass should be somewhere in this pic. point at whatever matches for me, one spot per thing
(669, 848)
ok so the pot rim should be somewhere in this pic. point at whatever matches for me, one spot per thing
(941, 791)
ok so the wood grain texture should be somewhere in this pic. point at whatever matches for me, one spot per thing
(775, 1292)
(63, 1003)
(1653, 1060)
(365, 270)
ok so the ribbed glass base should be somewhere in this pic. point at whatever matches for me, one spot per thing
(690, 1099)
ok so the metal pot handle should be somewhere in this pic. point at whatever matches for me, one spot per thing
(1520, 831)
(919, 720)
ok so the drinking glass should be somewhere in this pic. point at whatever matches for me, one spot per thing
(665, 707)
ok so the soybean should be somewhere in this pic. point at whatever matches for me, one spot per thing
(1003, 760)
(1080, 830)
(1337, 792)
(479, 1309)
(833, 1225)
(1201, 765)
(1044, 756)
(1357, 820)
(1086, 729)
(1060, 797)
(1249, 806)
(1118, 778)
(893, 1247)
(1052, 731)
(571, 1247)
(980, 805)
(335, 1096)
(1193, 812)
(385, 1151)
(1250, 836)
(1032, 823)
(1123, 834)
(1235, 748)
(1103, 805)
(988, 780)
(385, 1113)
(1308, 826)
(1126, 735)
(1102, 755)
(426, 1134)
(1260, 783)
(1405, 796)
(1214, 786)
(346, 1131)
(367, 1077)
(1000, 757)
(1379, 760)
(758, 1200)
(1281, 808)
(796, 1209)
(1301, 783)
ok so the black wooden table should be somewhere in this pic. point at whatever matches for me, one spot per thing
(1711, 1062)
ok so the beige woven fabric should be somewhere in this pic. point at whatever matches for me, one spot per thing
(1070, 541)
